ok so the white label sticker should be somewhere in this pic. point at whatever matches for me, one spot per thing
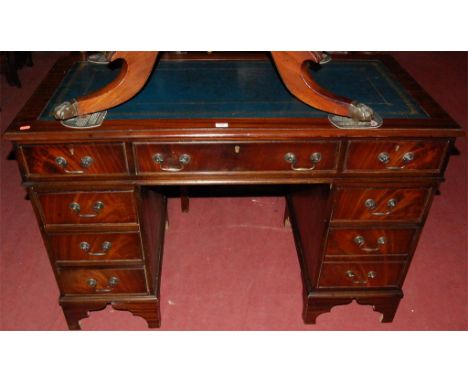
(221, 124)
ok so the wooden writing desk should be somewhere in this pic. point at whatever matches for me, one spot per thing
(357, 198)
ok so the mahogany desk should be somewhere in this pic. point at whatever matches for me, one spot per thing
(357, 198)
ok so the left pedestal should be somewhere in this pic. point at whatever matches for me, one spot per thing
(105, 245)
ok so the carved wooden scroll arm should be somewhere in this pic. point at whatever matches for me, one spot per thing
(135, 71)
(293, 70)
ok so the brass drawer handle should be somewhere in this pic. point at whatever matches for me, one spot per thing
(106, 245)
(361, 242)
(85, 163)
(111, 283)
(352, 275)
(76, 208)
(184, 159)
(384, 158)
(292, 159)
(371, 205)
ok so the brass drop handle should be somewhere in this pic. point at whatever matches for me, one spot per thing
(372, 274)
(352, 275)
(111, 283)
(97, 207)
(384, 158)
(85, 163)
(106, 245)
(292, 159)
(184, 159)
(361, 242)
(371, 205)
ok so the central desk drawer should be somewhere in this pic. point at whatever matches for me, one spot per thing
(95, 246)
(102, 281)
(306, 157)
(75, 159)
(88, 207)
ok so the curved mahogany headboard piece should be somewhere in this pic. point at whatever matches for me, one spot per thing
(294, 71)
(137, 67)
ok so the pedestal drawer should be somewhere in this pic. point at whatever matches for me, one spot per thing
(75, 159)
(361, 241)
(361, 274)
(96, 246)
(222, 157)
(395, 156)
(102, 281)
(88, 207)
(381, 204)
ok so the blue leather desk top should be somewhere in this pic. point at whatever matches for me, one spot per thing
(242, 89)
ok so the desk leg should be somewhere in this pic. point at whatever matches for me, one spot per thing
(184, 199)
(148, 310)
(315, 306)
(319, 302)
(76, 311)
(286, 219)
(386, 305)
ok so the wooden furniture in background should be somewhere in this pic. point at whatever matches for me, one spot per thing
(11, 62)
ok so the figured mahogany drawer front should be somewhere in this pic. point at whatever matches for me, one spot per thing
(304, 157)
(88, 207)
(380, 204)
(75, 159)
(396, 156)
(369, 241)
(96, 247)
(361, 275)
(102, 281)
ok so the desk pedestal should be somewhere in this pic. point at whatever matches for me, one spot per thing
(343, 258)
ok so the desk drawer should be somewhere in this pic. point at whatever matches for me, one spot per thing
(383, 204)
(75, 159)
(372, 242)
(395, 156)
(361, 275)
(223, 157)
(88, 207)
(102, 281)
(96, 246)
